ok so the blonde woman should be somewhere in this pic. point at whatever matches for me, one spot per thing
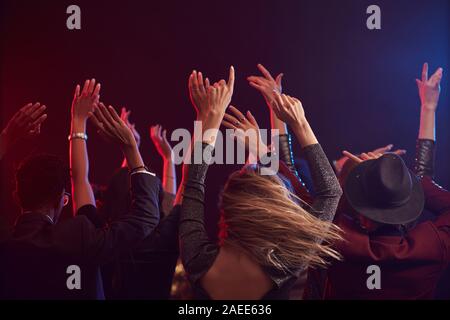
(266, 238)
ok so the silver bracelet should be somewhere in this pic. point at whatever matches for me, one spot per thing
(78, 135)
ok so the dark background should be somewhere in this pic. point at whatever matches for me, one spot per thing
(357, 86)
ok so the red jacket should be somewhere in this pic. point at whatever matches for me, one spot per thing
(410, 266)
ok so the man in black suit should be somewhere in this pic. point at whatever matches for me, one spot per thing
(46, 260)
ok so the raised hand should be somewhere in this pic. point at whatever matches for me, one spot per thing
(266, 84)
(362, 157)
(289, 110)
(159, 138)
(237, 121)
(429, 88)
(198, 92)
(112, 126)
(26, 122)
(207, 98)
(85, 101)
(339, 164)
(389, 148)
(210, 102)
(125, 116)
(219, 95)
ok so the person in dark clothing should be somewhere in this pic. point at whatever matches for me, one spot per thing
(411, 260)
(117, 196)
(266, 237)
(44, 259)
(146, 272)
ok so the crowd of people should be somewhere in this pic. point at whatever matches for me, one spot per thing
(309, 231)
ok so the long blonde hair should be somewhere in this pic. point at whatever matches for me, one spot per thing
(262, 216)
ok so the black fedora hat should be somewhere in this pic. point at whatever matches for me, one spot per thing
(385, 191)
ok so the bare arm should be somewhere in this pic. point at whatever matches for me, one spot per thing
(291, 110)
(268, 86)
(83, 103)
(159, 138)
(427, 125)
(79, 164)
(277, 124)
(169, 177)
(125, 116)
(429, 91)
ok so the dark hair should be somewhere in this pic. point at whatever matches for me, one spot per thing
(40, 180)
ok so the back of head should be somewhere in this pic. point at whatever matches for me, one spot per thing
(40, 181)
(263, 217)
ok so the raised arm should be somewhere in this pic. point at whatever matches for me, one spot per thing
(327, 189)
(162, 145)
(169, 175)
(269, 87)
(198, 253)
(25, 122)
(429, 91)
(125, 116)
(246, 132)
(83, 103)
(139, 223)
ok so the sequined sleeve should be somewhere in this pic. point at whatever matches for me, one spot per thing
(327, 188)
(198, 252)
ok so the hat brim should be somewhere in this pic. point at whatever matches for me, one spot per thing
(404, 214)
